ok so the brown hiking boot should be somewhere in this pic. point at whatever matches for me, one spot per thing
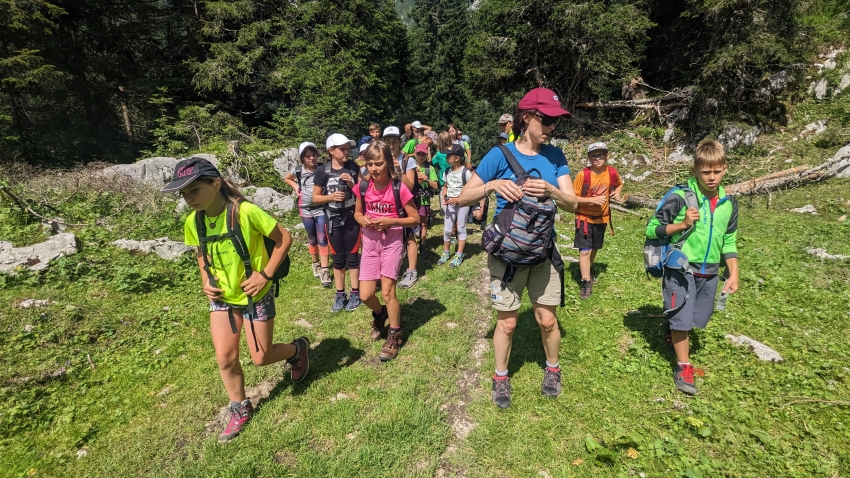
(391, 346)
(379, 328)
(586, 289)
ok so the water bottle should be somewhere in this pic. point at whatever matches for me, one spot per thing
(343, 188)
(721, 301)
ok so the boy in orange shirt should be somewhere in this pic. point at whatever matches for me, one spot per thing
(594, 186)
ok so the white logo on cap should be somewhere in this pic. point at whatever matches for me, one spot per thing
(555, 97)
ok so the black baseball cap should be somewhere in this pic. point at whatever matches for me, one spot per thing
(454, 149)
(188, 170)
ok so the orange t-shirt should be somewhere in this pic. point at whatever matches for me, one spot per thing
(599, 186)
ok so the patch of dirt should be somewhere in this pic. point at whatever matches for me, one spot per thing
(470, 378)
(285, 458)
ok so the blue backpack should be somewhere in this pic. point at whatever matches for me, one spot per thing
(660, 253)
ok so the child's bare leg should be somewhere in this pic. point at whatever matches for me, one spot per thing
(226, 345)
(269, 352)
(412, 254)
(584, 263)
(367, 295)
(393, 307)
(354, 274)
(339, 278)
(681, 345)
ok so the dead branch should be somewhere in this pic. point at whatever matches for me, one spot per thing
(617, 207)
(812, 400)
(28, 209)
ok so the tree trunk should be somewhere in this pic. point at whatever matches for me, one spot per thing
(126, 109)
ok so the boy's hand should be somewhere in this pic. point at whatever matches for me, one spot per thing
(345, 177)
(731, 285)
(254, 285)
(477, 214)
(615, 196)
(597, 200)
(451, 201)
(691, 216)
(212, 293)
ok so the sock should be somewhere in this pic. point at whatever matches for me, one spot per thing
(235, 404)
(395, 330)
(297, 349)
(502, 374)
(378, 313)
(317, 263)
(555, 367)
(681, 364)
(340, 292)
(355, 291)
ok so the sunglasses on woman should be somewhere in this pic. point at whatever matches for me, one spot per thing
(548, 120)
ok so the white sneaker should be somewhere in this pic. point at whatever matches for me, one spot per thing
(410, 278)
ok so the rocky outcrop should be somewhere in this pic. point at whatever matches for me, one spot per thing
(840, 168)
(270, 200)
(284, 160)
(155, 172)
(38, 256)
(762, 351)
(734, 136)
(163, 247)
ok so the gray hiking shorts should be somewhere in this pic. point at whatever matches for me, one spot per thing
(697, 309)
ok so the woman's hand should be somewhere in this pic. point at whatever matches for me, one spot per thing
(213, 293)
(507, 189)
(254, 285)
(537, 188)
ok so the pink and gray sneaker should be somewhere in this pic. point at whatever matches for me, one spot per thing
(240, 413)
(300, 362)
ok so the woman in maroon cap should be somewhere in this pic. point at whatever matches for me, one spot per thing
(538, 115)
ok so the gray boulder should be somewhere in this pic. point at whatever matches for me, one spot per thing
(153, 171)
(819, 89)
(679, 155)
(844, 83)
(841, 168)
(38, 256)
(163, 247)
(284, 160)
(734, 136)
(762, 351)
(271, 201)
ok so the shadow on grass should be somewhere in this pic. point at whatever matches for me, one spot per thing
(648, 320)
(417, 313)
(527, 343)
(598, 269)
(327, 357)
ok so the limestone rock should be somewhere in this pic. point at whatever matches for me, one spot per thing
(734, 136)
(163, 247)
(34, 303)
(844, 83)
(814, 129)
(778, 81)
(823, 255)
(284, 160)
(679, 155)
(38, 256)
(761, 350)
(819, 89)
(271, 201)
(154, 171)
(841, 168)
(807, 209)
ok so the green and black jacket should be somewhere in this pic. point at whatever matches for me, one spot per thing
(714, 239)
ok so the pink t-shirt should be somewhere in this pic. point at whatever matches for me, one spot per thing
(382, 203)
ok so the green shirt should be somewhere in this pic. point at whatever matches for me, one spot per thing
(439, 160)
(410, 146)
(225, 264)
(432, 176)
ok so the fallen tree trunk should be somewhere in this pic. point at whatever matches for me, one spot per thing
(762, 185)
(682, 99)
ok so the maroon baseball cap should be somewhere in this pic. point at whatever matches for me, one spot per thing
(545, 101)
(189, 170)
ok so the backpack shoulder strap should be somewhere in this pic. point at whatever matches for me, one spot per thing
(399, 207)
(612, 176)
(690, 197)
(364, 186)
(585, 181)
(463, 176)
(236, 237)
(298, 171)
(512, 162)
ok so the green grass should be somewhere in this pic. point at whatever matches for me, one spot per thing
(126, 328)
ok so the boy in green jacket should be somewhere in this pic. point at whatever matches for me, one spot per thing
(689, 292)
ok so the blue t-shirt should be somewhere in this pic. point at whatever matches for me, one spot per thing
(551, 163)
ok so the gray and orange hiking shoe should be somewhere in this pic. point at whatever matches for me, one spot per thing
(317, 269)
(325, 277)
(300, 362)
(551, 382)
(683, 378)
(501, 391)
(586, 289)
(240, 413)
(379, 327)
(390, 349)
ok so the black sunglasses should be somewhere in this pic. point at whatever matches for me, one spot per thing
(548, 120)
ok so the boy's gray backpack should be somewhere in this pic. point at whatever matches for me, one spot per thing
(660, 252)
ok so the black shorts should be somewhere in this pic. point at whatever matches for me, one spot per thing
(593, 239)
(344, 240)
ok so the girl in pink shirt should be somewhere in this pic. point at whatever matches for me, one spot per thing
(379, 196)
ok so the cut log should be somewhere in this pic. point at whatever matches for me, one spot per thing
(639, 200)
(788, 178)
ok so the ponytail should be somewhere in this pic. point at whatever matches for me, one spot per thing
(519, 122)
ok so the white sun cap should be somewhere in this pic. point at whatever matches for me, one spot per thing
(337, 139)
(391, 131)
(363, 147)
(305, 145)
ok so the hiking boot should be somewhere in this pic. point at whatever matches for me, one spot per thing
(683, 378)
(240, 413)
(458, 260)
(502, 391)
(391, 346)
(353, 301)
(379, 327)
(586, 289)
(339, 302)
(317, 269)
(410, 278)
(444, 258)
(325, 277)
(300, 362)
(551, 382)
